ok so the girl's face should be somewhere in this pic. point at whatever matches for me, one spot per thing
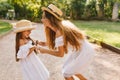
(25, 34)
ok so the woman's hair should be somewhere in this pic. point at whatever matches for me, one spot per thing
(18, 37)
(71, 33)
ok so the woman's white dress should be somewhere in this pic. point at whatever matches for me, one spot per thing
(32, 67)
(77, 61)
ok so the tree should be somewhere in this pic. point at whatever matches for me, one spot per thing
(115, 12)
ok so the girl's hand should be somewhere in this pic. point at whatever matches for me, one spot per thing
(32, 48)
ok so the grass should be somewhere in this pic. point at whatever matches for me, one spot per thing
(108, 32)
(4, 27)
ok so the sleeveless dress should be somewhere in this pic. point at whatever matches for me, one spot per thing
(32, 67)
(77, 61)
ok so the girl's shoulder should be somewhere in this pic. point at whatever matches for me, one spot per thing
(21, 42)
(24, 43)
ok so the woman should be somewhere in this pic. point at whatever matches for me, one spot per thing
(64, 37)
(32, 67)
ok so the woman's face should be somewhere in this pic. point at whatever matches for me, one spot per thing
(45, 21)
(25, 34)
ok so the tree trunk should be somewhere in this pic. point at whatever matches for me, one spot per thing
(115, 11)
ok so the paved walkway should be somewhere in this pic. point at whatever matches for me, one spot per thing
(106, 65)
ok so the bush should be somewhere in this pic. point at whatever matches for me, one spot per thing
(90, 10)
(4, 7)
(27, 10)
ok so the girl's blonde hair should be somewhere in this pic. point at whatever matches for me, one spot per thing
(70, 32)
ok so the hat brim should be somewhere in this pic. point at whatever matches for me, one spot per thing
(21, 29)
(48, 10)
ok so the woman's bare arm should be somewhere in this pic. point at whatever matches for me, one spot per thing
(58, 53)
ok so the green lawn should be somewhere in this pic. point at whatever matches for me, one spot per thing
(4, 27)
(108, 32)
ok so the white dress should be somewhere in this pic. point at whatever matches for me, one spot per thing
(77, 61)
(32, 67)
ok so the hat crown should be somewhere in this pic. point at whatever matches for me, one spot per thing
(55, 9)
(23, 23)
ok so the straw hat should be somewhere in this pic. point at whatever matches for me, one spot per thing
(23, 25)
(52, 9)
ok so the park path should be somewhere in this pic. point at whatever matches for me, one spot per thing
(105, 66)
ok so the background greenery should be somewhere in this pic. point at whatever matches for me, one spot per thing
(108, 32)
(76, 10)
(4, 27)
(73, 9)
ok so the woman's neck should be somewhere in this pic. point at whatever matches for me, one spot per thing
(53, 28)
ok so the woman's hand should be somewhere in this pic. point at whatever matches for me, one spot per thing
(41, 43)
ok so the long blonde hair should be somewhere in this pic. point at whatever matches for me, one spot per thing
(71, 34)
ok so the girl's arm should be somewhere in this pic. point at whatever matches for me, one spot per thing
(58, 53)
(30, 50)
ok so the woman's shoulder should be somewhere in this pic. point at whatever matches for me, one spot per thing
(58, 33)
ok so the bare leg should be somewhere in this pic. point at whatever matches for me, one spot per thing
(69, 78)
(80, 77)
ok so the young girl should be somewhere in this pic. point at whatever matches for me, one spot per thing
(64, 37)
(32, 67)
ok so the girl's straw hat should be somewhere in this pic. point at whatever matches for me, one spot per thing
(23, 25)
(52, 9)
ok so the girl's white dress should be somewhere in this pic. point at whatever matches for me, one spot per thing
(32, 67)
(77, 61)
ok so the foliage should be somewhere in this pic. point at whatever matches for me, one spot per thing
(108, 8)
(109, 32)
(90, 9)
(77, 8)
(74, 9)
(4, 27)
(4, 7)
(28, 9)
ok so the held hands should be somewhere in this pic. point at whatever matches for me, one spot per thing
(38, 49)
(41, 43)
